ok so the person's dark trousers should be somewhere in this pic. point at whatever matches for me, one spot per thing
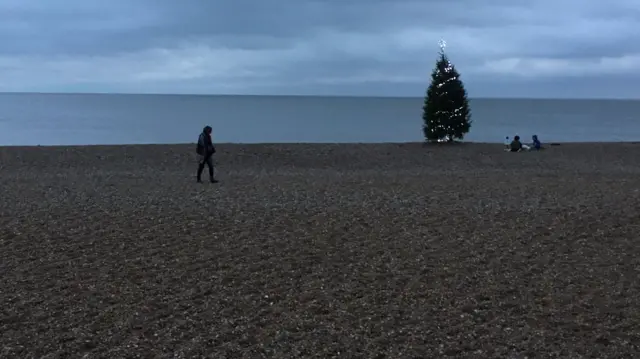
(209, 163)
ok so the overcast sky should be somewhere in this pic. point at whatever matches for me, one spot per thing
(514, 48)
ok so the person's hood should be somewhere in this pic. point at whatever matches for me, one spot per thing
(206, 129)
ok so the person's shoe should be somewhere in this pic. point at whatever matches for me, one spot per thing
(213, 180)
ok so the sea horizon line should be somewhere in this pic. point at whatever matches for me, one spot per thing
(408, 143)
(307, 96)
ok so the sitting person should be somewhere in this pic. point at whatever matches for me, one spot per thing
(536, 143)
(516, 145)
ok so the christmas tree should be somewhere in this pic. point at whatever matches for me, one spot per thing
(446, 111)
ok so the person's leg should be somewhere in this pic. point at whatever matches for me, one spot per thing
(200, 167)
(210, 165)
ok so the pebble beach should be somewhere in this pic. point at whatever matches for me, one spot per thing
(320, 251)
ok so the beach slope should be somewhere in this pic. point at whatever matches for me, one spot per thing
(301, 251)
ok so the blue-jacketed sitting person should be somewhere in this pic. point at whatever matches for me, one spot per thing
(536, 145)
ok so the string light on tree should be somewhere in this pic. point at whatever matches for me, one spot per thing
(448, 66)
(446, 111)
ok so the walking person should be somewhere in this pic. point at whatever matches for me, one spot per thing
(205, 151)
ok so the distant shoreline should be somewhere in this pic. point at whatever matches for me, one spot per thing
(314, 96)
(323, 144)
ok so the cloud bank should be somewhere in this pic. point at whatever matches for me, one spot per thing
(538, 48)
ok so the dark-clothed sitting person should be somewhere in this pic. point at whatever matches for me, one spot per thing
(516, 145)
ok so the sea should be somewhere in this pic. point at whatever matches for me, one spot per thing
(81, 119)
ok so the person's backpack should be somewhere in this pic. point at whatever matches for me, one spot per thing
(200, 145)
(200, 148)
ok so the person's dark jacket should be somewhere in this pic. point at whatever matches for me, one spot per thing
(205, 144)
(516, 146)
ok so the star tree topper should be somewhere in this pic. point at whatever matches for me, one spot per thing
(442, 44)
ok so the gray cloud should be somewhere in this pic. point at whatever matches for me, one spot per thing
(528, 48)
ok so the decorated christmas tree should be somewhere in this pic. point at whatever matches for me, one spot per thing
(446, 112)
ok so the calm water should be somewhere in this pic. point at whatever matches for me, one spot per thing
(49, 119)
